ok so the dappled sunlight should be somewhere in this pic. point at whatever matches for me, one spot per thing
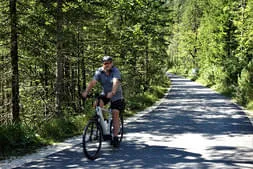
(200, 144)
(192, 127)
(148, 139)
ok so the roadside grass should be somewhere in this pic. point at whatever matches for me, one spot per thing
(17, 139)
(61, 128)
(250, 108)
(20, 139)
(250, 105)
(148, 98)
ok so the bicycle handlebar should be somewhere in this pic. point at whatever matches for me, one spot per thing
(91, 95)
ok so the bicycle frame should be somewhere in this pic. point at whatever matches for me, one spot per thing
(97, 130)
(104, 125)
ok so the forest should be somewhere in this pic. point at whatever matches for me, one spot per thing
(49, 50)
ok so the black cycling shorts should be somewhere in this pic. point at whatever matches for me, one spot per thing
(104, 98)
(118, 104)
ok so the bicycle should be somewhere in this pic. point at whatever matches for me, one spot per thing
(99, 129)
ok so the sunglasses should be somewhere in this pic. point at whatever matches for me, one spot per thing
(107, 63)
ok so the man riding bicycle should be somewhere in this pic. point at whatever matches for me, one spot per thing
(109, 77)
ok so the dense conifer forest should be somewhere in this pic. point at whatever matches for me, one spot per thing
(49, 50)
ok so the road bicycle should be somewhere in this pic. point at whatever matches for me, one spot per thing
(98, 129)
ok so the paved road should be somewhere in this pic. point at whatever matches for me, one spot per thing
(193, 127)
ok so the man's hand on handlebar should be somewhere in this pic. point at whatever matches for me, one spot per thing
(109, 95)
(84, 95)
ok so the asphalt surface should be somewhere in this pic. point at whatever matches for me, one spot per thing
(192, 128)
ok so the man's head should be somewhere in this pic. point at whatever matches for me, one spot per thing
(107, 63)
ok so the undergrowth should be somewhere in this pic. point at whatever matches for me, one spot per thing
(20, 139)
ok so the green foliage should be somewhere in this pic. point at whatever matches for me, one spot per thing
(139, 102)
(250, 105)
(135, 33)
(144, 37)
(18, 139)
(62, 128)
(245, 87)
(215, 37)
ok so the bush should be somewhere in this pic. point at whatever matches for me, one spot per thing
(61, 128)
(139, 102)
(245, 85)
(158, 91)
(17, 138)
(250, 105)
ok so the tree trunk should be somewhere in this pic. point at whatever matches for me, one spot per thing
(14, 62)
(2, 93)
(46, 86)
(60, 60)
(147, 81)
(79, 63)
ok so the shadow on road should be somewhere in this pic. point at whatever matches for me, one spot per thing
(164, 137)
(136, 156)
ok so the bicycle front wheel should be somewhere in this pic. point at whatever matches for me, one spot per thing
(92, 139)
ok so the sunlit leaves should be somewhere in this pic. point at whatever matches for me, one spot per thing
(216, 37)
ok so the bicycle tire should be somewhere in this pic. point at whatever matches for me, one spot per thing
(121, 127)
(92, 139)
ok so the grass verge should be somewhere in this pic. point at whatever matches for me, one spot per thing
(20, 139)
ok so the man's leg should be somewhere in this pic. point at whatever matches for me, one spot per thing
(101, 102)
(115, 117)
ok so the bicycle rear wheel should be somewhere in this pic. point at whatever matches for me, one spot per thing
(92, 139)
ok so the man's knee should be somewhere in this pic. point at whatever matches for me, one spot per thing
(99, 102)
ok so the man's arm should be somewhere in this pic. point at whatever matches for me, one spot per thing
(91, 84)
(115, 86)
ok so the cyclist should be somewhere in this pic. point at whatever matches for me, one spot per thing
(109, 77)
